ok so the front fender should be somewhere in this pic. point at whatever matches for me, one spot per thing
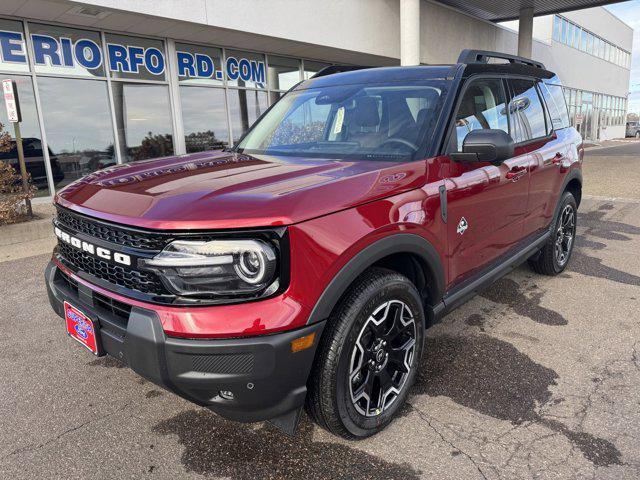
(392, 244)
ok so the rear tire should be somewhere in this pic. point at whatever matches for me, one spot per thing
(555, 255)
(368, 356)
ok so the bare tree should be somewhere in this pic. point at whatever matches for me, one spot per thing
(12, 195)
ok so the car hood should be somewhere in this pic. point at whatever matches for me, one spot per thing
(224, 190)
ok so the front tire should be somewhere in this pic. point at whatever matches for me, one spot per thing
(554, 256)
(368, 356)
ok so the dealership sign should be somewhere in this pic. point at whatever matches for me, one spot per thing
(86, 53)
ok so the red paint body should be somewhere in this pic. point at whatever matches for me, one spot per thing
(333, 209)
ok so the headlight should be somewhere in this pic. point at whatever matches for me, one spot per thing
(217, 267)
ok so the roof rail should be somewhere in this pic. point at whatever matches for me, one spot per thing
(482, 56)
(331, 69)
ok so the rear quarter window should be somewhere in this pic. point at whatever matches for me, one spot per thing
(554, 98)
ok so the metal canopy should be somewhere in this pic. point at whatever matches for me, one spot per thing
(500, 10)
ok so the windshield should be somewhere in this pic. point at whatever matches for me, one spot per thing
(386, 122)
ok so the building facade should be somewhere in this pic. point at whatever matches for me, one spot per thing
(112, 81)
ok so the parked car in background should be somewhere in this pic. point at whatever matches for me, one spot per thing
(34, 161)
(633, 129)
(303, 265)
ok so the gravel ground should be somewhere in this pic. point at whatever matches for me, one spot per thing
(535, 378)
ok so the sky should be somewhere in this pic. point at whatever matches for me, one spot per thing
(629, 12)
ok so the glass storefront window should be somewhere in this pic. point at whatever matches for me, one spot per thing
(143, 117)
(198, 65)
(245, 69)
(14, 55)
(31, 138)
(78, 126)
(204, 116)
(311, 68)
(283, 73)
(135, 58)
(245, 106)
(66, 51)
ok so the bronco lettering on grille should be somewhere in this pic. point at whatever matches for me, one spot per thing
(91, 249)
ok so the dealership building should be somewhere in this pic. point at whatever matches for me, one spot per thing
(112, 81)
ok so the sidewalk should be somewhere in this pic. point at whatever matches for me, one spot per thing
(25, 239)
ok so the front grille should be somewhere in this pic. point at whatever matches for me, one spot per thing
(112, 233)
(115, 307)
(112, 315)
(145, 282)
(121, 276)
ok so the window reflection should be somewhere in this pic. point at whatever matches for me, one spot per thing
(245, 106)
(31, 142)
(527, 114)
(204, 116)
(143, 117)
(78, 126)
(283, 73)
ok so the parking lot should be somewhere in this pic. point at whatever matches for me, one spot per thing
(536, 378)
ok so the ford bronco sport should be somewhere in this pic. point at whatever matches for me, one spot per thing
(302, 266)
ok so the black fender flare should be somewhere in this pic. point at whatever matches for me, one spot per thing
(393, 244)
(574, 174)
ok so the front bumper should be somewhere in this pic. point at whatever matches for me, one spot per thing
(266, 378)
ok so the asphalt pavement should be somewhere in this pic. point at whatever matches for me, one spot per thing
(535, 378)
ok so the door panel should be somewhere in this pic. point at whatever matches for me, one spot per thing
(493, 207)
(486, 203)
(548, 166)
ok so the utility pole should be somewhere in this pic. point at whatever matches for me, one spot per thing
(10, 93)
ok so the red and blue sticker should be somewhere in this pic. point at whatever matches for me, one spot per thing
(80, 327)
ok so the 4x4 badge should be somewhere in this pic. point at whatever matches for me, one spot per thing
(462, 226)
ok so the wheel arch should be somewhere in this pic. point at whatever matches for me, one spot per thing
(405, 253)
(574, 185)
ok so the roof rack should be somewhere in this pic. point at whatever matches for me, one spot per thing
(331, 69)
(482, 56)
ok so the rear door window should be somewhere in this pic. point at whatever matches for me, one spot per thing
(527, 115)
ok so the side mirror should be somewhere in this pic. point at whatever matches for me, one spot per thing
(493, 146)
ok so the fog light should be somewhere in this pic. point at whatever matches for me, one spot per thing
(226, 394)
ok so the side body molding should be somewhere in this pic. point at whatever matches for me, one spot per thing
(393, 244)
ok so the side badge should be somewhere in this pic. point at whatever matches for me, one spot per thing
(462, 226)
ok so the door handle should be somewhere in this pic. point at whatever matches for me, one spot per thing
(516, 173)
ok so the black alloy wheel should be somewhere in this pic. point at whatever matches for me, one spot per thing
(381, 358)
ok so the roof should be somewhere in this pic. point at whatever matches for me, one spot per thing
(472, 61)
(379, 75)
(500, 10)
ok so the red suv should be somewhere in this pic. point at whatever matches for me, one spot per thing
(304, 265)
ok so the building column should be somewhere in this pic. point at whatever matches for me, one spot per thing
(525, 32)
(409, 32)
